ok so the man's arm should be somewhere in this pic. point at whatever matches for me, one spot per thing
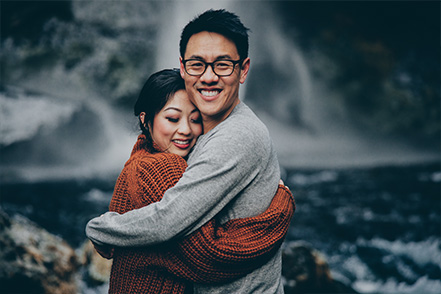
(223, 168)
(214, 254)
(237, 247)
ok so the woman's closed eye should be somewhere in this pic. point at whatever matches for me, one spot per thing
(196, 119)
(172, 119)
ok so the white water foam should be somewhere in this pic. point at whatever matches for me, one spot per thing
(24, 116)
(422, 253)
(391, 286)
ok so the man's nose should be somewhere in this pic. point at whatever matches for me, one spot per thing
(209, 76)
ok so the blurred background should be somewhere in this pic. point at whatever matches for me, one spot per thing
(350, 92)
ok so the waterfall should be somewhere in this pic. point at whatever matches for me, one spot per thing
(89, 71)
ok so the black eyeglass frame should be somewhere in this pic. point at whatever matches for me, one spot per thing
(235, 62)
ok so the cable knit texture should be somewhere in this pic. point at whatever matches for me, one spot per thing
(213, 254)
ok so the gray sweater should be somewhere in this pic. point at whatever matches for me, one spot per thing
(232, 172)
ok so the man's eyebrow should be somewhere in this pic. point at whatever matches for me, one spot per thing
(221, 57)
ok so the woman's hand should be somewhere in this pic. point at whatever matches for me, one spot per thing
(283, 184)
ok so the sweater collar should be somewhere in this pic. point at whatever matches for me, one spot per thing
(142, 144)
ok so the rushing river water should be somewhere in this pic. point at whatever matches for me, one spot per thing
(378, 228)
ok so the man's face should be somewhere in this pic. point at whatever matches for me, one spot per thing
(215, 96)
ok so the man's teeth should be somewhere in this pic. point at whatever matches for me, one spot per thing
(209, 93)
(182, 142)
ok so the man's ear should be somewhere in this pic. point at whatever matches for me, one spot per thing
(244, 70)
(181, 67)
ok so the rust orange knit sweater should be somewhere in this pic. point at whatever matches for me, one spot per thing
(213, 254)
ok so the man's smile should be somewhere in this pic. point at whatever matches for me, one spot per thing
(210, 93)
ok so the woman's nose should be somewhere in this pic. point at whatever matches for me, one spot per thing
(184, 128)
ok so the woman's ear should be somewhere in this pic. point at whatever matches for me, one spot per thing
(142, 117)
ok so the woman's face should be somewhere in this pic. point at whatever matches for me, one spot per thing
(177, 125)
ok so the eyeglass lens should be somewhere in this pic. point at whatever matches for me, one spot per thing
(220, 68)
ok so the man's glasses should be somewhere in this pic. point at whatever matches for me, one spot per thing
(222, 68)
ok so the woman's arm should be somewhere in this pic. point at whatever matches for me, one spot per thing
(215, 254)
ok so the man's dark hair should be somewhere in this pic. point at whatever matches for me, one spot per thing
(217, 21)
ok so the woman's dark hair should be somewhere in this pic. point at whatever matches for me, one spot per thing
(155, 93)
(217, 21)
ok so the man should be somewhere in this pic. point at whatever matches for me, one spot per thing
(232, 172)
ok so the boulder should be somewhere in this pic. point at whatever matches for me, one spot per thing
(96, 268)
(305, 271)
(34, 261)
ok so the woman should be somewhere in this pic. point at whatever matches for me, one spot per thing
(170, 125)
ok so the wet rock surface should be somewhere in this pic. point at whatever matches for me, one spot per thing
(33, 260)
(306, 271)
(96, 268)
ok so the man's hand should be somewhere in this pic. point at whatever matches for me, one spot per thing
(104, 250)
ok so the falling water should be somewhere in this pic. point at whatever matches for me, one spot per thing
(307, 123)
